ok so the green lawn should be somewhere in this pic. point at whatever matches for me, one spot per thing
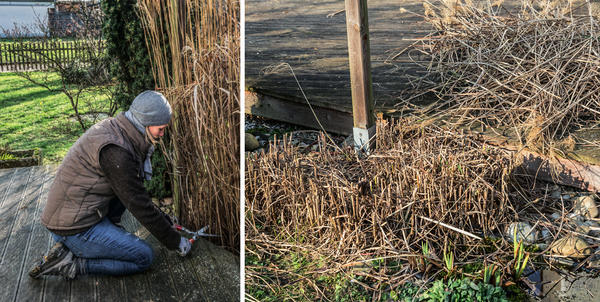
(33, 117)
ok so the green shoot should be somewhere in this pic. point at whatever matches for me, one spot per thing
(449, 261)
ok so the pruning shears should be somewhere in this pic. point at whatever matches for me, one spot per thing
(195, 235)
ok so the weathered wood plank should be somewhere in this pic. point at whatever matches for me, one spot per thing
(162, 272)
(137, 286)
(55, 288)
(84, 288)
(110, 288)
(185, 279)
(23, 193)
(294, 112)
(221, 284)
(10, 202)
(316, 47)
(19, 231)
(6, 179)
(33, 289)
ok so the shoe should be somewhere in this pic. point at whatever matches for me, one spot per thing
(58, 261)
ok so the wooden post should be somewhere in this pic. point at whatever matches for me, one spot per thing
(357, 25)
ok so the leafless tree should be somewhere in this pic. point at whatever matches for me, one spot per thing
(85, 76)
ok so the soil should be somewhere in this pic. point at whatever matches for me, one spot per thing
(266, 130)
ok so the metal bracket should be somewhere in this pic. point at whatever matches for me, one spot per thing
(364, 139)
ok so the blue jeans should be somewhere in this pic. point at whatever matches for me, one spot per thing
(109, 250)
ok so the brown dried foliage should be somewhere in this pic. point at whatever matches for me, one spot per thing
(345, 209)
(197, 66)
(533, 64)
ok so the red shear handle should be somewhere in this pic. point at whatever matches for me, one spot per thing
(192, 241)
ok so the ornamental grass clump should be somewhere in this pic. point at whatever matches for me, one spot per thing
(423, 186)
(194, 48)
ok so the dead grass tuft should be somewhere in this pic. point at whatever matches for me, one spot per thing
(345, 211)
(534, 67)
(196, 63)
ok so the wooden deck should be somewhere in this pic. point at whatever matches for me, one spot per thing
(209, 273)
(311, 37)
(301, 34)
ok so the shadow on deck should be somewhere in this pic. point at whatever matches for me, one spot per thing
(209, 273)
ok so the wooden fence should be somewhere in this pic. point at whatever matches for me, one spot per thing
(42, 55)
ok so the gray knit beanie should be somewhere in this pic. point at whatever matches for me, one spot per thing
(150, 108)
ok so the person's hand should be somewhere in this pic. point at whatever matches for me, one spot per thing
(185, 246)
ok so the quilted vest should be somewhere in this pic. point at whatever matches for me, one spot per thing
(80, 194)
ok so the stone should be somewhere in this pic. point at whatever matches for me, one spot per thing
(524, 232)
(587, 227)
(566, 197)
(571, 246)
(575, 218)
(251, 143)
(555, 194)
(594, 264)
(546, 234)
(555, 216)
(585, 206)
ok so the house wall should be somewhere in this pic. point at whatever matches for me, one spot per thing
(22, 14)
(63, 19)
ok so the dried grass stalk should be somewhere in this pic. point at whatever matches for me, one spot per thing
(535, 67)
(195, 57)
(344, 210)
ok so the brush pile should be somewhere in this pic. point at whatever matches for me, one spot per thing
(195, 57)
(344, 211)
(533, 66)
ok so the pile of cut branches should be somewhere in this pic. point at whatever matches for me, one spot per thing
(533, 67)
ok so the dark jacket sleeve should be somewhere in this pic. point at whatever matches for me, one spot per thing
(120, 169)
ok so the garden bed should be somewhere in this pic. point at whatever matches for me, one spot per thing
(20, 158)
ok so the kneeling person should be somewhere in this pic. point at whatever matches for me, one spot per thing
(100, 177)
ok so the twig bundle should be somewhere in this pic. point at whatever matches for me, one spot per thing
(195, 57)
(534, 67)
(343, 209)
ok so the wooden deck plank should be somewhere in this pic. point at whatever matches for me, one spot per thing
(223, 268)
(33, 289)
(23, 193)
(162, 272)
(13, 258)
(136, 286)
(6, 179)
(183, 274)
(12, 198)
(110, 288)
(12, 185)
(315, 46)
(84, 288)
